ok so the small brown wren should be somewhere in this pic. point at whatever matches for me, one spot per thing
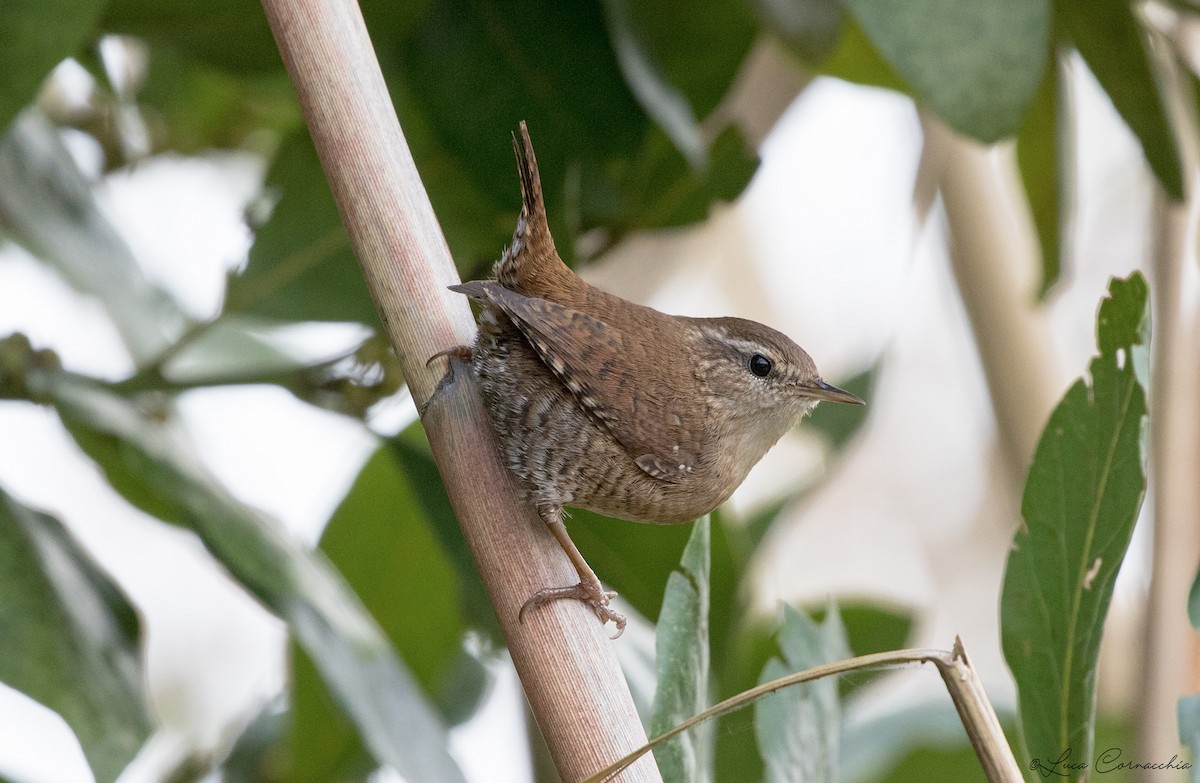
(606, 405)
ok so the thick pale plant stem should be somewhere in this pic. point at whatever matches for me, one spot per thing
(992, 256)
(566, 663)
(1170, 653)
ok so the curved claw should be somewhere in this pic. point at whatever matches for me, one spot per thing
(464, 352)
(589, 594)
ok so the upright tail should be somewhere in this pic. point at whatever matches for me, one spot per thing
(531, 258)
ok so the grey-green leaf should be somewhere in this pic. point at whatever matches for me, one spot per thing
(1188, 716)
(358, 665)
(799, 728)
(1081, 501)
(681, 645)
(47, 205)
(976, 64)
(70, 639)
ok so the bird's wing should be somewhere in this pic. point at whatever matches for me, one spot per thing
(615, 379)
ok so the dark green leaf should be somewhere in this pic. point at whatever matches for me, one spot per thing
(798, 728)
(70, 638)
(1081, 502)
(1109, 36)
(412, 453)
(636, 560)
(681, 645)
(472, 70)
(658, 96)
(35, 37)
(356, 662)
(301, 266)
(1042, 153)
(657, 188)
(475, 69)
(976, 64)
(229, 34)
(656, 44)
(380, 541)
(737, 754)
(809, 27)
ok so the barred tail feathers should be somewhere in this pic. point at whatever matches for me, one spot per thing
(531, 254)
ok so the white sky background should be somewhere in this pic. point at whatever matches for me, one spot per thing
(835, 260)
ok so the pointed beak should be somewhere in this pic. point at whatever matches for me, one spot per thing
(819, 390)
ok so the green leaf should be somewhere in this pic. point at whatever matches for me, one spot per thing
(380, 541)
(603, 163)
(1110, 39)
(412, 453)
(658, 189)
(681, 645)
(1081, 502)
(798, 728)
(655, 46)
(1194, 603)
(1188, 716)
(301, 266)
(356, 662)
(634, 559)
(1042, 153)
(839, 423)
(976, 64)
(232, 35)
(71, 638)
(35, 37)
(856, 59)
(660, 99)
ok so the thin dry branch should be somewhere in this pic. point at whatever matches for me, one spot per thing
(567, 666)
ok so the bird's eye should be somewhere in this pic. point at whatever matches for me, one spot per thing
(760, 365)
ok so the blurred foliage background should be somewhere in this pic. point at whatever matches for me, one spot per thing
(644, 116)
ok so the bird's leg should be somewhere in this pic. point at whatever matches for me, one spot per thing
(589, 590)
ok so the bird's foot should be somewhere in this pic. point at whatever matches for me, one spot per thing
(593, 595)
(464, 352)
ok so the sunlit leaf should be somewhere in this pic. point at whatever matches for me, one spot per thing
(976, 64)
(1081, 502)
(682, 664)
(798, 728)
(70, 638)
